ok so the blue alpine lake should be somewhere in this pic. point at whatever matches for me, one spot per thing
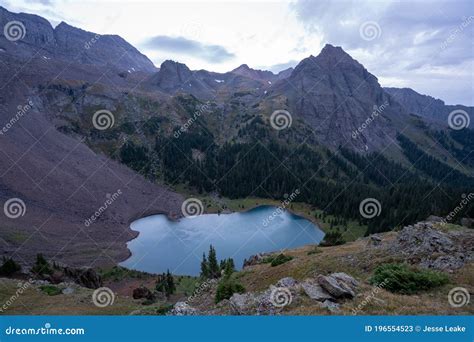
(179, 245)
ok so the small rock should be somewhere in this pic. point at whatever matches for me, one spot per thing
(331, 306)
(286, 282)
(374, 240)
(68, 290)
(183, 309)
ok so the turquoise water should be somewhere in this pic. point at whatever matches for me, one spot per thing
(178, 245)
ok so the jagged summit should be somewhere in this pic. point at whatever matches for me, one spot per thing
(246, 71)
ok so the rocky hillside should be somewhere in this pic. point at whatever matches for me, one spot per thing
(427, 106)
(60, 180)
(431, 259)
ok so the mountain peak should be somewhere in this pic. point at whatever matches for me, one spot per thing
(331, 49)
(172, 74)
(334, 54)
(242, 68)
(246, 71)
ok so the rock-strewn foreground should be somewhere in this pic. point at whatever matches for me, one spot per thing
(325, 280)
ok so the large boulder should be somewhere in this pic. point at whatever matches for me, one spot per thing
(339, 286)
(142, 292)
(347, 279)
(314, 291)
(85, 276)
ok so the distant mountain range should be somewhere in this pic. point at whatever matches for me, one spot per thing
(62, 166)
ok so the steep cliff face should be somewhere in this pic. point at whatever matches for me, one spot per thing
(336, 95)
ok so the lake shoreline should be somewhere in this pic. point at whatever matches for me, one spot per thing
(281, 231)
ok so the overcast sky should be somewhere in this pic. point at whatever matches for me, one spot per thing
(425, 45)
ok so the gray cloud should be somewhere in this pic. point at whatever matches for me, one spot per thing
(282, 66)
(43, 2)
(211, 53)
(417, 40)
